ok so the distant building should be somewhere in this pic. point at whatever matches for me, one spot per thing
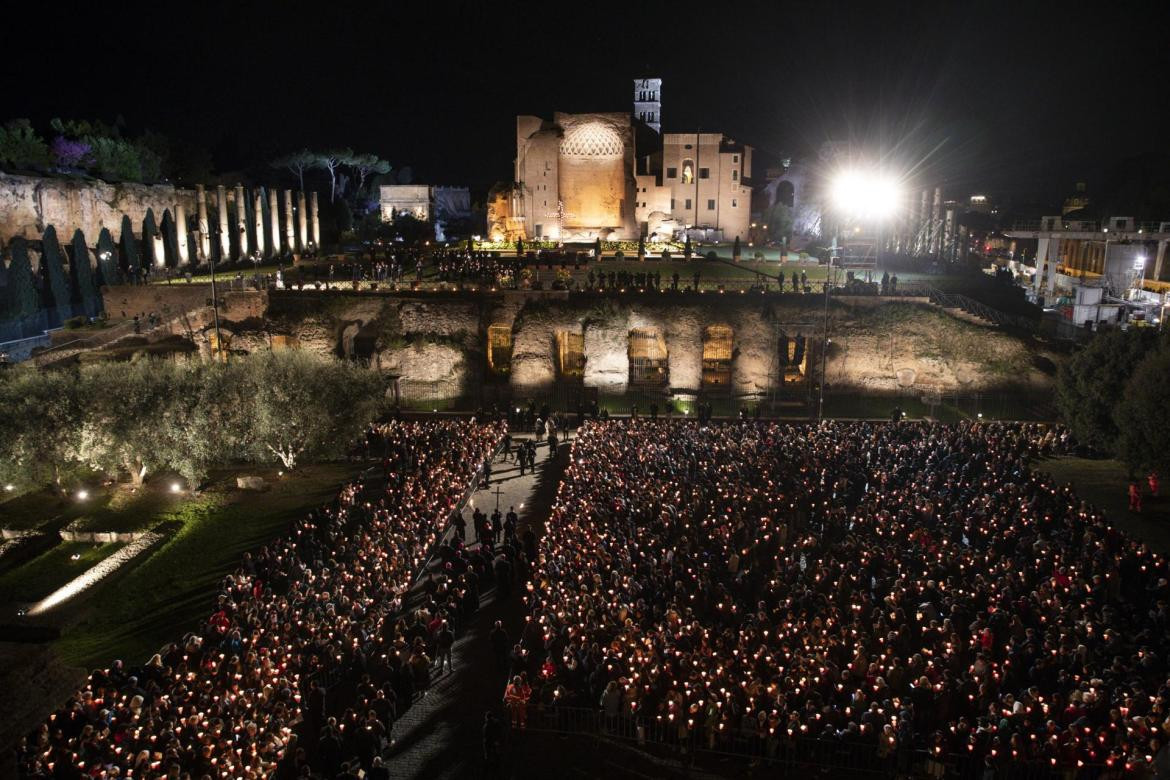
(441, 205)
(709, 179)
(980, 204)
(580, 177)
(1077, 201)
(412, 199)
(648, 102)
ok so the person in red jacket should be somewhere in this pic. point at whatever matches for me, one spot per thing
(1135, 496)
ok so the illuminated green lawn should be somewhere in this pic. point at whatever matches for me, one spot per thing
(42, 575)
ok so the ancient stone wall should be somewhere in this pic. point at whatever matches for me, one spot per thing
(125, 301)
(28, 204)
(436, 346)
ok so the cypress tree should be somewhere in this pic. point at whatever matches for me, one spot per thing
(23, 299)
(192, 248)
(108, 259)
(687, 248)
(736, 250)
(53, 267)
(597, 247)
(81, 272)
(149, 231)
(129, 246)
(170, 240)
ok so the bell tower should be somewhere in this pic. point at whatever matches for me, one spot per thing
(648, 102)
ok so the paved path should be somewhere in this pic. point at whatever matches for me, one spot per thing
(441, 735)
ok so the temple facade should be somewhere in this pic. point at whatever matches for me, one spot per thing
(580, 177)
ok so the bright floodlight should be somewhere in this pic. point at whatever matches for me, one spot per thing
(865, 194)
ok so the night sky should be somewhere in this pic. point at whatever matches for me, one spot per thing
(1014, 98)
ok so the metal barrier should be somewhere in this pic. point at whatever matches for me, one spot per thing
(981, 310)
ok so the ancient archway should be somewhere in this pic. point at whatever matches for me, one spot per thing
(717, 355)
(499, 348)
(648, 358)
(571, 354)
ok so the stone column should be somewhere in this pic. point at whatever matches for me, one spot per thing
(258, 219)
(1041, 257)
(242, 222)
(314, 222)
(225, 245)
(302, 220)
(274, 221)
(1053, 260)
(181, 233)
(290, 241)
(204, 229)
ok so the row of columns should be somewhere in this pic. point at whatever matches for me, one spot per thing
(298, 234)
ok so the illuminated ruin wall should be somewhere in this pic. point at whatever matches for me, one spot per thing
(28, 204)
(438, 347)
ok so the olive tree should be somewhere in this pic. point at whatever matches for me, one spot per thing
(304, 406)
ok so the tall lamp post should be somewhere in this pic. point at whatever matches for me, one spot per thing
(859, 196)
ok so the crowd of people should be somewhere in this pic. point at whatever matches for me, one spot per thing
(244, 697)
(488, 268)
(910, 588)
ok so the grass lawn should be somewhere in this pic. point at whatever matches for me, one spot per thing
(160, 598)
(1105, 483)
(37, 508)
(119, 508)
(128, 509)
(44, 574)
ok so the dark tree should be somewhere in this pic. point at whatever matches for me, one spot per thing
(1143, 415)
(53, 267)
(107, 260)
(687, 248)
(736, 250)
(22, 297)
(170, 236)
(81, 275)
(597, 248)
(519, 247)
(149, 232)
(271, 242)
(128, 246)
(1090, 384)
